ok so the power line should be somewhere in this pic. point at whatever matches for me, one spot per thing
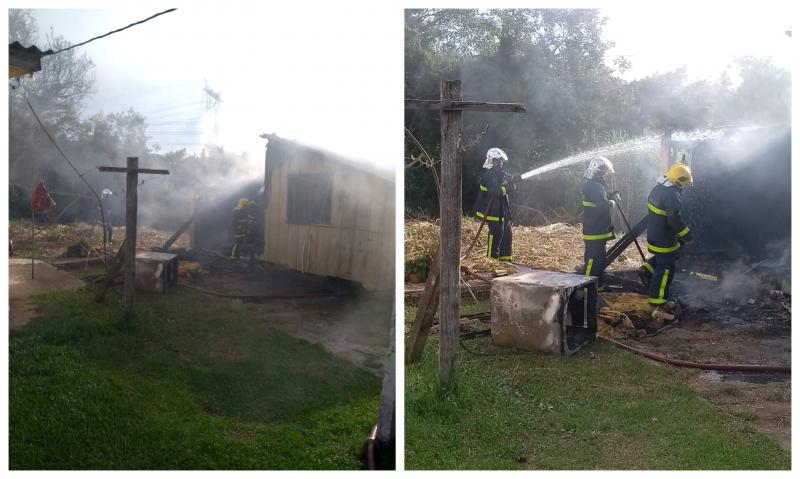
(174, 133)
(167, 123)
(115, 31)
(148, 87)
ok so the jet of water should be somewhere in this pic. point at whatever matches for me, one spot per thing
(637, 144)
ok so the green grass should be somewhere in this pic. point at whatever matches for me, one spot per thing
(191, 383)
(600, 409)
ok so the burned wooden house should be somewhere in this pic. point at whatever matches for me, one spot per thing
(328, 215)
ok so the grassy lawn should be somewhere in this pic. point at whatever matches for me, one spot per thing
(600, 409)
(192, 383)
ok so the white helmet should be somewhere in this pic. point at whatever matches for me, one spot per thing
(494, 154)
(106, 193)
(599, 167)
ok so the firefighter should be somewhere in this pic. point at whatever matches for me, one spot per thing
(666, 233)
(493, 206)
(597, 206)
(108, 229)
(243, 220)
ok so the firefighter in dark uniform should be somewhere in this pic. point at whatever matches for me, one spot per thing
(243, 220)
(597, 206)
(493, 206)
(666, 233)
(105, 203)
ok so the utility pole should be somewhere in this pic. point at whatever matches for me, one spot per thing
(451, 104)
(131, 197)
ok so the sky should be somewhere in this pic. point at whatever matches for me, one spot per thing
(705, 36)
(318, 79)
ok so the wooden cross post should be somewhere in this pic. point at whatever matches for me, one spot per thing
(451, 104)
(131, 197)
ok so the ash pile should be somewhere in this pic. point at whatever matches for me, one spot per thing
(755, 297)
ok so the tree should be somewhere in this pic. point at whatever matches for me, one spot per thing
(763, 96)
(57, 93)
(22, 27)
(551, 60)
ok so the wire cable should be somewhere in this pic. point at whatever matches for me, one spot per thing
(63, 155)
(115, 31)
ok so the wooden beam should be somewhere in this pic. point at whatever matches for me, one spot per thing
(113, 272)
(144, 171)
(177, 234)
(450, 214)
(426, 310)
(131, 210)
(464, 106)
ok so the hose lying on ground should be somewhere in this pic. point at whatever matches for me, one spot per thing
(245, 297)
(740, 368)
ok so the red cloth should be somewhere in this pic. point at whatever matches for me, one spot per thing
(41, 200)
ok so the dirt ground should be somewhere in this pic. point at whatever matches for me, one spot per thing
(764, 399)
(21, 287)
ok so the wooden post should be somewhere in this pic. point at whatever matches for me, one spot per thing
(131, 182)
(131, 210)
(450, 214)
(451, 105)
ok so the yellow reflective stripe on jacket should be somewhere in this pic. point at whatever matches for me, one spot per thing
(683, 232)
(483, 188)
(648, 267)
(503, 189)
(599, 237)
(655, 210)
(659, 249)
(589, 204)
(488, 218)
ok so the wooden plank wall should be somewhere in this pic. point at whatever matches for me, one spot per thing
(359, 243)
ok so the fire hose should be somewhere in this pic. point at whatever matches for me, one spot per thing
(739, 368)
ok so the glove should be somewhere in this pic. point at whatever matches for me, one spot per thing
(612, 203)
(616, 196)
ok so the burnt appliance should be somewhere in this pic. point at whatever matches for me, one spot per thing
(544, 311)
(156, 272)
